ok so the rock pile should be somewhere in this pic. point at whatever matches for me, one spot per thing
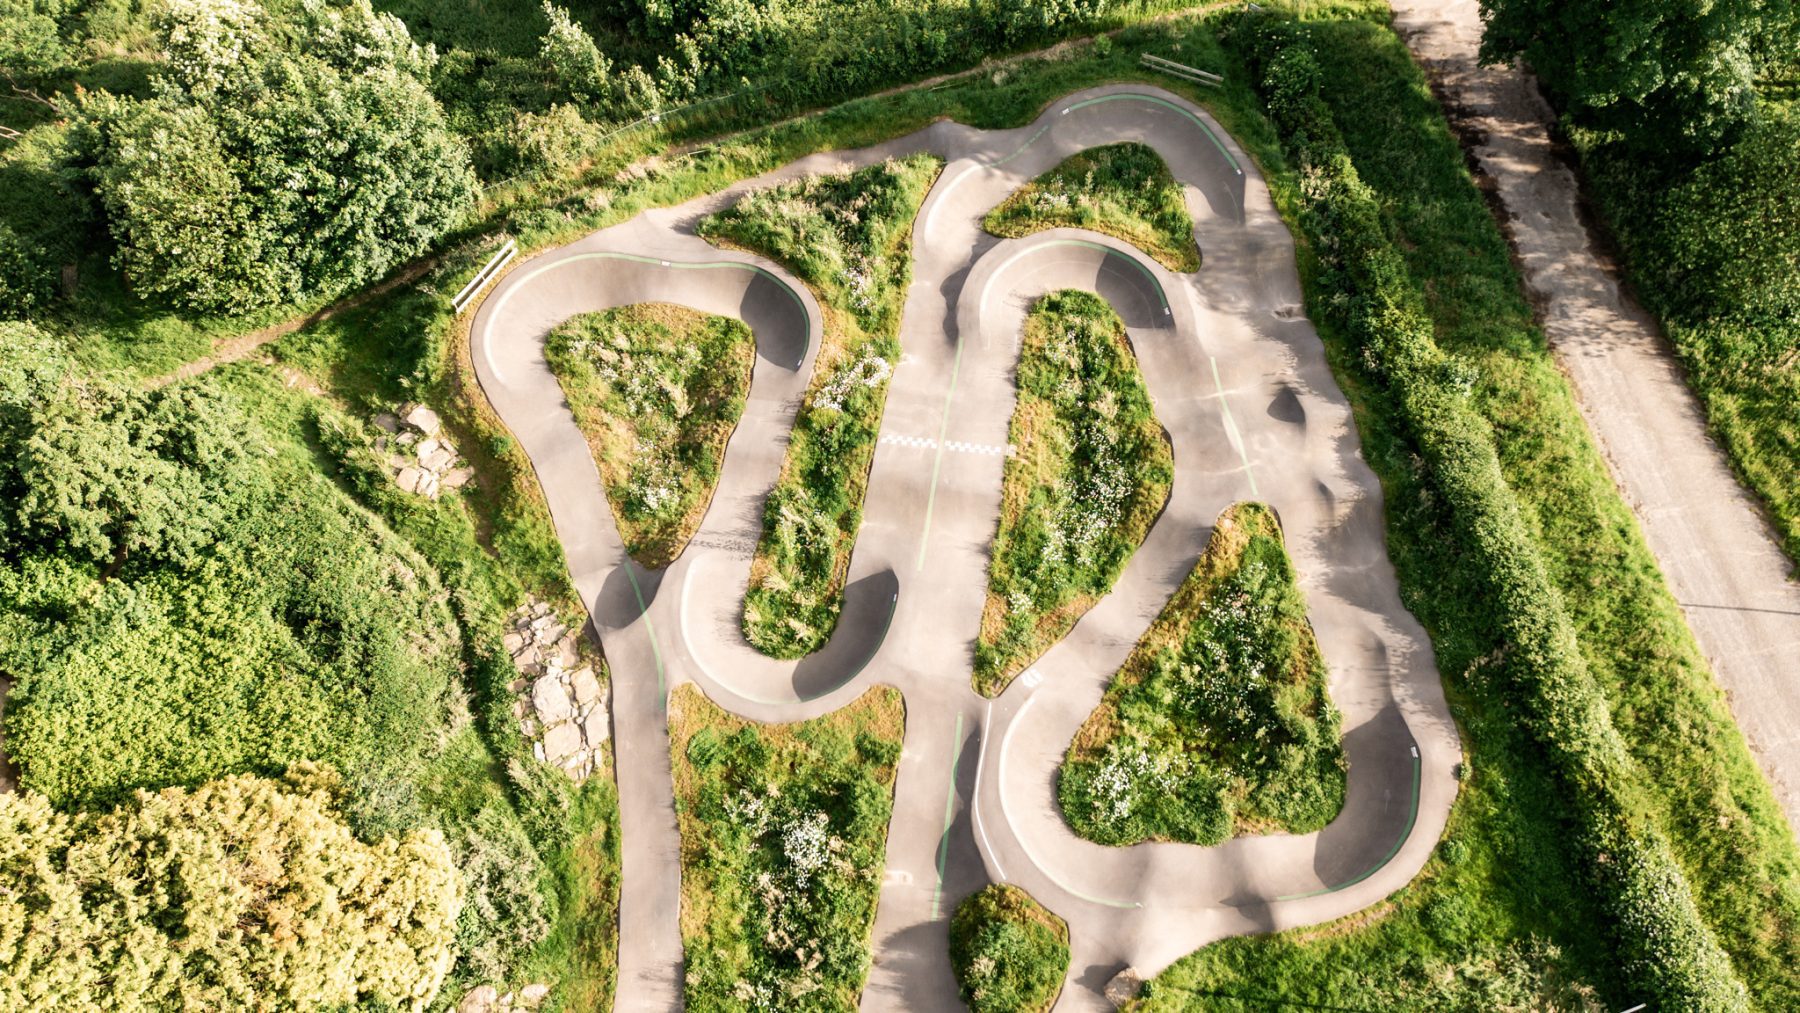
(419, 455)
(558, 699)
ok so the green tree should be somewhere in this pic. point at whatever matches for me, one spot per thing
(275, 163)
(243, 893)
(32, 41)
(1673, 75)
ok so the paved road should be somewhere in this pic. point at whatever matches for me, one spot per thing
(1238, 377)
(1713, 546)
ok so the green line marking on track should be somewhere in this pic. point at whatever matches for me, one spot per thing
(937, 461)
(949, 812)
(1412, 817)
(1165, 103)
(662, 689)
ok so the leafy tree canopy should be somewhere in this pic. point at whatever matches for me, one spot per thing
(275, 159)
(1674, 75)
(245, 893)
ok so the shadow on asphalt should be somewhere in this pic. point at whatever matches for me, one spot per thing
(627, 593)
(862, 626)
(777, 320)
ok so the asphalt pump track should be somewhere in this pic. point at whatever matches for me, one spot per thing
(1239, 379)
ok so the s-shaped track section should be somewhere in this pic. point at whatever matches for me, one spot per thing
(1238, 377)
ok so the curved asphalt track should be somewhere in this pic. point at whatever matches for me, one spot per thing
(1239, 379)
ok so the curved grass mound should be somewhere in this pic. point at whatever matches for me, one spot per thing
(1091, 473)
(657, 389)
(1219, 722)
(1009, 952)
(848, 237)
(1122, 190)
(783, 842)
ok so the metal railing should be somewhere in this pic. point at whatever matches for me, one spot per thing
(489, 271)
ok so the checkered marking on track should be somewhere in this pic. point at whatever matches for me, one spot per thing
(954, 446)
(918, 442)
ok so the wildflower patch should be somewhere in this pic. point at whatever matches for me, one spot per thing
(657, 389)
(783, 843)
(1091, 472)
(1219, 723)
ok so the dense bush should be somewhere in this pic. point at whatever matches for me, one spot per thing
(846, 235)
(242, 893)
(1092, 471)
(1009, 953)
(177, 604)
(1219, 721)
(658, 390)
(276, 159)
(1666, 950)
(783, 842)
(1122, 190)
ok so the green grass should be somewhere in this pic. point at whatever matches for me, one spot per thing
(1009, 952)
(581, 952)
(1218, 723)
(1122, 190)
(657, 389)
(848, 237)
(783, 843)
(1091, 473)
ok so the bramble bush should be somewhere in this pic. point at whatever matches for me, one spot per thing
(1010, 954)
(1092, 471)
(178, 602)
(1219, 722)
(658, 390)
(1665, 948)
(847, 236)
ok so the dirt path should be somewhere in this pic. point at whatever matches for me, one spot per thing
(1714, 547)
(245, 345)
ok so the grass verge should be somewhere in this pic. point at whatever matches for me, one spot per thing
(1122, 190)
(657, 390)
(848, 237)
(1009, 952)
(1091, 472)
(783, 842)
(1218, 723)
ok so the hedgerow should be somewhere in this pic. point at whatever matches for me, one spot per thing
(848, 237)
(1665, 948)
(1010, 954)
(1091, 473)
(658, 390)
(1218, 723)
